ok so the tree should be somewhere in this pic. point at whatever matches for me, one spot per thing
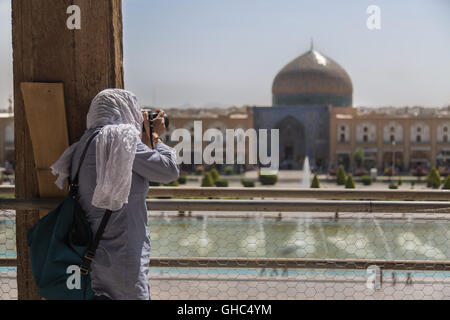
(315, 184)
(358, 157)
(446, 185)
(434, 179)
(341, 176)
(215, 174)
(207, 180)
(350, 183)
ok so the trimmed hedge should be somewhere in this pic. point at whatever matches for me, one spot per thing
(350, 183)
(154, 184)
(434, 179)
(172, 184)
(268, 179)
(366, 180)
(207, 180)
(247, 183)
(215, 174)
(315, 184)
(446, 185)
(182, 179)
(228, 171)
(341, 176)
(221, 183)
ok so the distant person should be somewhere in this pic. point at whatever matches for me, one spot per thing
(115, 175)
(409, 279)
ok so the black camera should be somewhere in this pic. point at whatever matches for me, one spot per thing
(151, 116)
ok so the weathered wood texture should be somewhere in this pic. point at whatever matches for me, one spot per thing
(86, 61)
(41, 100)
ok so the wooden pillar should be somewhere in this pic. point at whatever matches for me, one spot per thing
(87, 61)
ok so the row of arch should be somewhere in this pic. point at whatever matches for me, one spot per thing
(420, 132)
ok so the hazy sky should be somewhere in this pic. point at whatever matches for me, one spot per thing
(227, 52)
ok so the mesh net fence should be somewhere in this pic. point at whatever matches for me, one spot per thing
(352, 256)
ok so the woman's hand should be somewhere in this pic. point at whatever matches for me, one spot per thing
(146, 134)
(158, 127)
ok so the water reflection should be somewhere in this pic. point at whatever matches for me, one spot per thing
(301, 238)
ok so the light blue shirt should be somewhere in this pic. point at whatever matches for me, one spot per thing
(120, 268)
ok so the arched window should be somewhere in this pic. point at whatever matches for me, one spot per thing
(393, 132)
(366, 132)
(343, 133)
(420, 133)
(443, 132)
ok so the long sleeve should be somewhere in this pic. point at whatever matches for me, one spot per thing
(157, 165)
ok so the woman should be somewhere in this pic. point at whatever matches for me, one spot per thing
(115, 175)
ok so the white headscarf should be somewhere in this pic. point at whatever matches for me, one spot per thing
(118, 112)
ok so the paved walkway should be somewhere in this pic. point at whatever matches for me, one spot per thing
(165, 286)
(205, 287)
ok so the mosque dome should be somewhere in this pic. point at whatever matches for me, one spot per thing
(312, 79)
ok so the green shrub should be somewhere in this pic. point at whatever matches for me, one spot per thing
(172, 184)
(446, 185)
(350, 183)
(182, 179)
(315, 184)
(358, 157)
(400, 181)
(247, 183)
(207, 180)
(341, 176)
(154, 184)
(215, 174)
(366, 180)
(221, 183)
(393, 186)
(228, 171)
(434, 179)
(268, 179)
(413, 184)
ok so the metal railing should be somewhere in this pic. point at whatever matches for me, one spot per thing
(285, 193)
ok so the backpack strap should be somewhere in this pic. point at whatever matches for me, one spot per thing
(90, 252)
(73, 184)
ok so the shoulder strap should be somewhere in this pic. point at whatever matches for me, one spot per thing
(74, 182)
(90, 252)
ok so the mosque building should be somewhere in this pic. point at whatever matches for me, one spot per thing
(313, 109)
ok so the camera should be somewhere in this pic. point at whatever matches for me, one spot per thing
(151, 116)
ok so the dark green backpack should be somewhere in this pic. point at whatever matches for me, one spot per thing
(62, 248)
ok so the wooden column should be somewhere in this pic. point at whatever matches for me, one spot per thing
(86, 61)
